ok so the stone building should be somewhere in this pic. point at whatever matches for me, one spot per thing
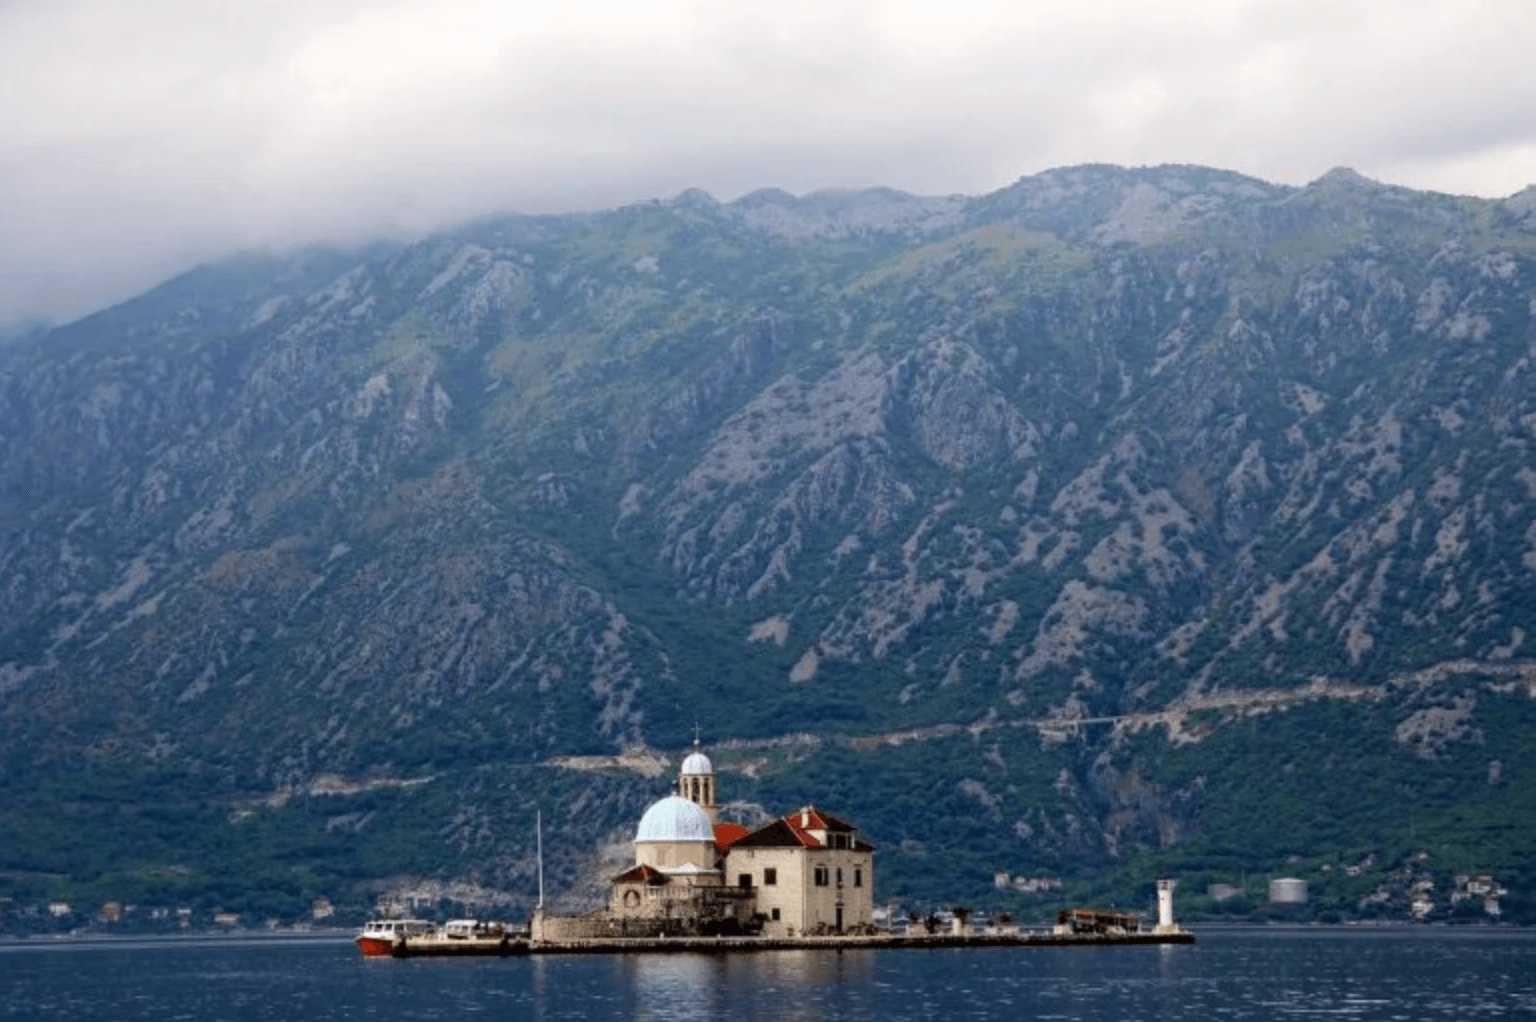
(810, 873)
(804, 873)
(677, 884)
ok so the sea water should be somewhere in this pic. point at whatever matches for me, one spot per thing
(1260, 973)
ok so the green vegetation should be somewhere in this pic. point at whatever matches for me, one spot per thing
(1099, 445)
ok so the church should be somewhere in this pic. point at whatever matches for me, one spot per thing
(803, 874)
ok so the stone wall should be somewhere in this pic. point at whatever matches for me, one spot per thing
(601, 924)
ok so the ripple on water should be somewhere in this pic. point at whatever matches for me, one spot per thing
(1385, 976)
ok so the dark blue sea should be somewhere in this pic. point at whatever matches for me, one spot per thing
(1386, 974)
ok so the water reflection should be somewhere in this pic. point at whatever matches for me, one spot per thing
(697, 987)
(670, 988)
(538, 988)
(1393, 976)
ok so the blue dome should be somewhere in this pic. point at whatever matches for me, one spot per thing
(696, 765)
(675, 818)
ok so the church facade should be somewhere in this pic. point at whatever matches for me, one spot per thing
(807, 872)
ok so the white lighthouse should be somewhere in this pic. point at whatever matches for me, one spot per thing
(1165, 923)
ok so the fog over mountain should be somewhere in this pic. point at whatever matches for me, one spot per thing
(137, 141)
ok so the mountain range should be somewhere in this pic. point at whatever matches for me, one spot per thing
(1119, 522)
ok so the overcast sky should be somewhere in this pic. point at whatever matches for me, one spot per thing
(138, 137)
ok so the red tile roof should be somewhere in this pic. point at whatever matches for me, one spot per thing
(642, 874)
(795, 828)
(802, 822)
(727, 834)
(778, 834)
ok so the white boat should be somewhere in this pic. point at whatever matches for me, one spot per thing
(382, 936)
(411, 938)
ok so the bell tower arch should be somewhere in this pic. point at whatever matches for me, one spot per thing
(696, 780)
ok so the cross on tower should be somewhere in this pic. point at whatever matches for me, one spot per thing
(695, 734)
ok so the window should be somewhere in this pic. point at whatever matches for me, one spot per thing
(821, 876)
(858, 878)
(770, 877)
(775, 915)
(744, 880)
(839, 876)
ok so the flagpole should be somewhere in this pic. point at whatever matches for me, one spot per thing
(539, 838)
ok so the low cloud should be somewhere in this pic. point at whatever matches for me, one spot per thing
(138, 139)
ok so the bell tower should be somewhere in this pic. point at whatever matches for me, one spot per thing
(696, 780)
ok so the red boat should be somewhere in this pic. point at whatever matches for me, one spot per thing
(413, 938)
(383, 937)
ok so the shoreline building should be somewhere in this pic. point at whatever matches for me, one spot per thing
(807, 872)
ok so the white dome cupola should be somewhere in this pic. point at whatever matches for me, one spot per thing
(675, 832)
(696, 781)
(675, 818)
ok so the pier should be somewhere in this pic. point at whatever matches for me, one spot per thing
(717, 945)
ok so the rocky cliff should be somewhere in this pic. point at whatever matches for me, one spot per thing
(1119, 513)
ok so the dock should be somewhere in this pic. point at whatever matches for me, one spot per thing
(730, 945)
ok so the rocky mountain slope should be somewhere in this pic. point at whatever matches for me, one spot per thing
(1118, 517)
